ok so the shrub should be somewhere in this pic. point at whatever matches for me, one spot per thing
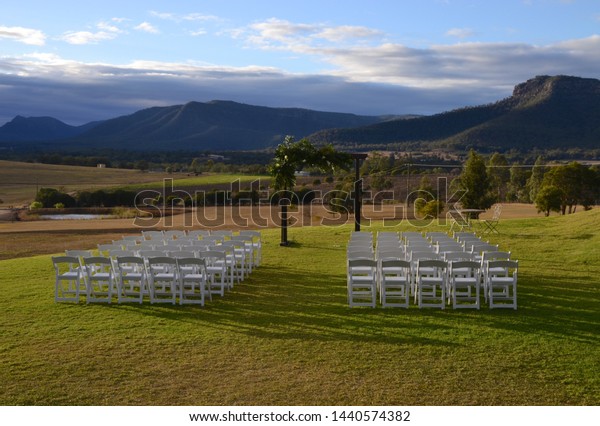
(35, 205)
(59, 206)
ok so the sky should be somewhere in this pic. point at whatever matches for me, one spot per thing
(82, 61)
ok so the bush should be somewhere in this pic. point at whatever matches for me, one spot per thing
(35, 205)
(59, 206)
(50, 196)
(429, 209)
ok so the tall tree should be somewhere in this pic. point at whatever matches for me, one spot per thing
(517, 186)
(576, 183)
(537, 176)
(549, 199)
(475, 181)
(499, 174)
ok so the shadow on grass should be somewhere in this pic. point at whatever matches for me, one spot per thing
(287, 305)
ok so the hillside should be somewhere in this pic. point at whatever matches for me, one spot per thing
(21, 129)
(544, 112)
(222, 125)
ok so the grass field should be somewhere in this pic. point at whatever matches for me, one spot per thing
(285, 336)
(20, 181)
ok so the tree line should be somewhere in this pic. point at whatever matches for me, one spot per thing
(551, 187)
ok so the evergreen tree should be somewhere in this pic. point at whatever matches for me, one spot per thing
(475, 181)
(537, 176)
(517, 186)
(499, 175)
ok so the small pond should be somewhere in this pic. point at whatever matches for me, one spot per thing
(74, 216)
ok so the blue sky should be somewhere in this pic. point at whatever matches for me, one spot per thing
(81, 61)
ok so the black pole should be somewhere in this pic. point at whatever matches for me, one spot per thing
(357, 189)
(357, 195)
(284, 224)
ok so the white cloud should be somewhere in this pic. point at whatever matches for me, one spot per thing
(200, 17)
(107, 31)
(87, 37)
(176, 17)
(105, 26)
(346, 32)
(199, 32)
(23, 35)
(460, 33)
(277, 33)
(387, 78)
(147, 27)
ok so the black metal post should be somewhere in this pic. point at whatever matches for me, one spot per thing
(357, 189)
(284, 225)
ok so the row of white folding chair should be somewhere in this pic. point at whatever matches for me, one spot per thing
(252, 239)
(437, 283)
(130, 278)
(390, 276)
(244, 248)
(458, 283)
(200, 252)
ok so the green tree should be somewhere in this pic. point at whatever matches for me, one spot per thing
(427, 203)
(499, 175)
(537, 177)
(50, 196)
(476, 184)
(141, 165)
(574, 181)
(548, 199)
(291, 156)
(517, 186)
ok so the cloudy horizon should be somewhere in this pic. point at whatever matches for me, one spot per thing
(389, 58)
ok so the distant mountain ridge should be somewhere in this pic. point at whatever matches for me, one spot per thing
(544, 112)
(214, 125)
(21, 129)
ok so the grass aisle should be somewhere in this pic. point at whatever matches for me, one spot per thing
(285, 336)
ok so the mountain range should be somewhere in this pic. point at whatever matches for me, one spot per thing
(214, 125)
(545, 112)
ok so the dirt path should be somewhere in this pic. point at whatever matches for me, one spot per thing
(28, 238)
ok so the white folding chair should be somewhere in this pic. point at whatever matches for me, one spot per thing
(132, 280)
(256, 244)
(100, 283)
(163, 279)
(464, 283)
(68, 279)
(394, 283)
(502, 288)
(193, 282)
(174, 234)
(198, 234)
(219, 275)
(486, 257)
(431, 277)
(153, 235)
(491, 225)
(362, 282)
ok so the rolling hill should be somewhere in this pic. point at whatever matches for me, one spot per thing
(215, 125)
(544, 112)
(27, 129)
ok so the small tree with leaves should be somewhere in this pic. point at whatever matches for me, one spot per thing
(548, 199)
(291, 156)
(476, 183)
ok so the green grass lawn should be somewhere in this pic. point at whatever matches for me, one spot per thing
(285, 336)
